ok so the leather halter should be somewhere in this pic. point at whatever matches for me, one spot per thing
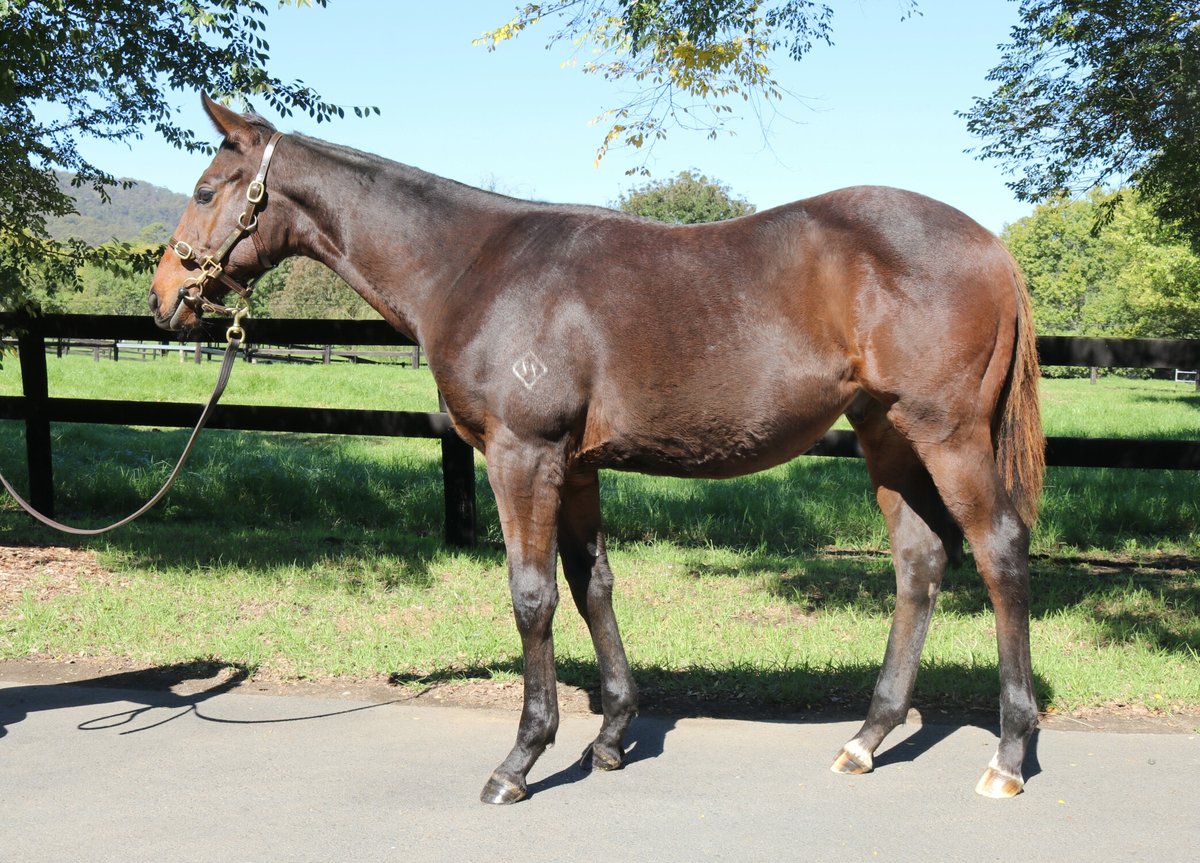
(212, 267)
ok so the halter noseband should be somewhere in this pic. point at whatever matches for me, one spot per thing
(212, 267)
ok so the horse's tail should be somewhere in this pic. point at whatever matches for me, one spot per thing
(1020, 441)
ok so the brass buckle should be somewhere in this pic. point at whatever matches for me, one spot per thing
(255, 191)
(209, 269)
(179, 247)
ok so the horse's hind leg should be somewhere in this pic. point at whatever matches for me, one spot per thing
(964, 469)
(526, 478)
(923, 539)
(585, 564)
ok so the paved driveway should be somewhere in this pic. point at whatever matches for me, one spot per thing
(95, 774)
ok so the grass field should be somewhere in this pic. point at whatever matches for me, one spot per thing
(311, 556)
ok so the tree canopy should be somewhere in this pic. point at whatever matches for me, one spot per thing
(1100, 93)
(688, 199)
(107, 69)
(1137, 278)
(688, 59)
(307, 289)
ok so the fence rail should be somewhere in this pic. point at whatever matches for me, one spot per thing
(38, 409)
(115, 350)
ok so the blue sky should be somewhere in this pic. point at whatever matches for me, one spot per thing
(877, 107)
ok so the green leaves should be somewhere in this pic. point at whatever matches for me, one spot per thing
(689, 59)
(1100, 92)
(688, 199)
(1131, 277)
(77, 69)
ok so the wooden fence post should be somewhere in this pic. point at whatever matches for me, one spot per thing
(458, 481)
(32, 348)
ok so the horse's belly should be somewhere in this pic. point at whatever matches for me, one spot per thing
(707, 447)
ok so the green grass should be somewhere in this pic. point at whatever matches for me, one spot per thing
(338, 385)
(311, 556)
(1121, 408)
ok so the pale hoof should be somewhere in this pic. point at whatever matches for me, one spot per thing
(998, 785)
(501, 792)
(852, 763)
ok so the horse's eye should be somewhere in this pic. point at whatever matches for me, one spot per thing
(204, 195)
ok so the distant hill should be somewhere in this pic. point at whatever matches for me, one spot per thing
(142, 213)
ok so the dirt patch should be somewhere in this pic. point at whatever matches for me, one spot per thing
(50, 570)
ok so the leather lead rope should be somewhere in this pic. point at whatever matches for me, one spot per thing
(211, 267)
(235, 341)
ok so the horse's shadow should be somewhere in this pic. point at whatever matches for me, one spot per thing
(647, 737)
(153, 692)
(645, 740)
(929, 735)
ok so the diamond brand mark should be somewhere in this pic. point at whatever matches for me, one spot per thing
(529, 369)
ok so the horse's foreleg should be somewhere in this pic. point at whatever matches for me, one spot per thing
(585, 564)
(923, 538)
(526, 480)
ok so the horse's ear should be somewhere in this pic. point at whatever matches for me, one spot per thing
(236, 128)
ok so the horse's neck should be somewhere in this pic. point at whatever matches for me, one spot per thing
(398, 236)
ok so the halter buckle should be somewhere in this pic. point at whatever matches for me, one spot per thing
(209, 269)
(255, 191)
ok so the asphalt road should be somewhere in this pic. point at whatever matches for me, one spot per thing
(96, 774)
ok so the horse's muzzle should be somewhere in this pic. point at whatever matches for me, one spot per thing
(170, 322)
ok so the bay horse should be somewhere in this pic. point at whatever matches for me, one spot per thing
(566, 339)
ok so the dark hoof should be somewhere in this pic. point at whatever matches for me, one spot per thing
(598, 759)
(502, 792)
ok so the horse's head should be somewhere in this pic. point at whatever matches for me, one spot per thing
(218, 246)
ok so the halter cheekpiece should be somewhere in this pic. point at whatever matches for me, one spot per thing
(212, 267)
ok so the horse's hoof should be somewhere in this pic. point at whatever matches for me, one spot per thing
(999, 785)
(598, 759)
(852, 763)
(501, 792)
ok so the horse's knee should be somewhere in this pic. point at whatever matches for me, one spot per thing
(534, 599)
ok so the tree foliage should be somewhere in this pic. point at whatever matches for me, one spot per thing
(1137, 278)
(105, 69)
(689, 59)
(309, 289)
(101, 291)
(688, 199)
(1100, 92)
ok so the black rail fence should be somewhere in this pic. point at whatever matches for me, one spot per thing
(38, 409)
(116, 350)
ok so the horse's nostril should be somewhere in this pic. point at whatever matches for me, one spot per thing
(153, 301)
